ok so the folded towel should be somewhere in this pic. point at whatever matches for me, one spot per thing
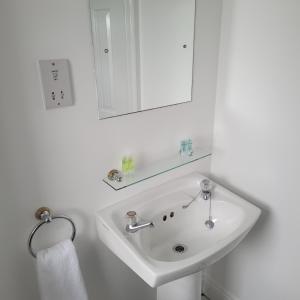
(59, 274)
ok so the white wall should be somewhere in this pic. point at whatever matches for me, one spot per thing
(58, 157)
(257, 143)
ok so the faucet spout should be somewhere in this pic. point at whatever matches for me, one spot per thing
(133, 225)
(134, 228)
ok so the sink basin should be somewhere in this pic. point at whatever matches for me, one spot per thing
(179, 244)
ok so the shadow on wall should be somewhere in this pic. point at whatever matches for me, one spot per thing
(252, 242)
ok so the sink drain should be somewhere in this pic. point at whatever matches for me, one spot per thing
(179, 248)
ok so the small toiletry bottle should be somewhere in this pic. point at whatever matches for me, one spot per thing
(189, 147)
(131, 165)
(183, 147)
(125, 165)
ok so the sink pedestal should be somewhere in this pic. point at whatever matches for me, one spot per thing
(187, 288)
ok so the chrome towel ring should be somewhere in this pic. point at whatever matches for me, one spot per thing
(44, 214)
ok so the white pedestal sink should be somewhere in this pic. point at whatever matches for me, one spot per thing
(171, 254)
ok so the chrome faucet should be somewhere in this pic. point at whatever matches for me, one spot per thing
(205, 192)
(206, 187)
(133, 225)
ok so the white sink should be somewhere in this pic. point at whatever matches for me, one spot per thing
(149, 252)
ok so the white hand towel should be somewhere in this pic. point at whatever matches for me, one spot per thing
(59, 274)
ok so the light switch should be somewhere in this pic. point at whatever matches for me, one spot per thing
(56, 81)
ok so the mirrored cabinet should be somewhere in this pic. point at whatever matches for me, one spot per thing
(143, 53)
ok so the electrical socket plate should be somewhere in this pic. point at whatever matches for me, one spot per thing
(56, 82)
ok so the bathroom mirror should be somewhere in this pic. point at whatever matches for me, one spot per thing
(143, 53)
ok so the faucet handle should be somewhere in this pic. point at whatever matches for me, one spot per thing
(206, 185)
(132, 216)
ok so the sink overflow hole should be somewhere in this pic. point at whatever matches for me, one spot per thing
(179, 248)
(164, 217)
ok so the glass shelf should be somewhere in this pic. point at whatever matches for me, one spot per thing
(157, 168)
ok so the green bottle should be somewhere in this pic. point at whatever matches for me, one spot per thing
(131, 165)
(125, 167)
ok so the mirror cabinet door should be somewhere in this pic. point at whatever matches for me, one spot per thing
(143, 53)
